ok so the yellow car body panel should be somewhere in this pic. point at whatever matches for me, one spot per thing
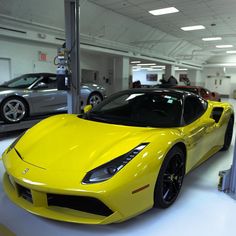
(54, 156)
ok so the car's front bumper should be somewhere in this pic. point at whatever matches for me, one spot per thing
(115, 200)
(38, 204)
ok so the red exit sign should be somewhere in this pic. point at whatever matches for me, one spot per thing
(42, 56)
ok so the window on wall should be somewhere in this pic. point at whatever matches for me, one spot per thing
(151, 77)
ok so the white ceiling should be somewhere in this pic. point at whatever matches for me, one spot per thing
(127, 22)
(221, 13)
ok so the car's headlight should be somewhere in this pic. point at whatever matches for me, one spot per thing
(106, 171)
(14, 142)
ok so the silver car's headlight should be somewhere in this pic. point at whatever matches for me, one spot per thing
(106, 171)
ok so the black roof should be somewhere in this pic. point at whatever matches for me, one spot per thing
(164, 90)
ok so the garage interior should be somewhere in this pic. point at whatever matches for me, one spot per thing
(120, 43)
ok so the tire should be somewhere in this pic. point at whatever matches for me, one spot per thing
(228, 134)
(13, 110)
(170, 178)
(94, 99)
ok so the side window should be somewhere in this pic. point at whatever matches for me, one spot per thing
(193, 109)
(49, 82)
(216, 113)
(52, 82)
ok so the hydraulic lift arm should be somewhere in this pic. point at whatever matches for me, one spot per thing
(227, 181)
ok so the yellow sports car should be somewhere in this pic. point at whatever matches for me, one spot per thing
(126, 155)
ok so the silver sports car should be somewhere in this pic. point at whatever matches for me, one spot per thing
(37, 94)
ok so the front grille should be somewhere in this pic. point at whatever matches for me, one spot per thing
(25, 193)
(80, 203)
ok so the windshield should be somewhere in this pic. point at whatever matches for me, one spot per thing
(23, 81)
(144, 109)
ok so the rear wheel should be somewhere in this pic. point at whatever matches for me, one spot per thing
(94, 99)
(228, 134)
(13, 110)
(170, 178)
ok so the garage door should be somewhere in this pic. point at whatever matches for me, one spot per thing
(5, 74)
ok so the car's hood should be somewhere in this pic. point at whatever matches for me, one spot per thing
(92, 86)
(66, 142)
(2, 88)
(5, 90)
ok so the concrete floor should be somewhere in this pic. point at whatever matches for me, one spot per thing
(200, 210)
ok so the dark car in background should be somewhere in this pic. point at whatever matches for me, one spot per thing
(37, 94)
(203, 92)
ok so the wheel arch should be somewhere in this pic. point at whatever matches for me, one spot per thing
(232, 116)
(182, 146)
(20, 98)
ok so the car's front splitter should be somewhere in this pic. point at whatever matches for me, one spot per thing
(38, 204)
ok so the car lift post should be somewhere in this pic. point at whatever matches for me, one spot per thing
(227, 182)
(72, 29)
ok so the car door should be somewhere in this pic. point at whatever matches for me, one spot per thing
(46, 98)
(199, 131)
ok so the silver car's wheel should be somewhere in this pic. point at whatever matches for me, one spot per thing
(13, 110)
(94, 99)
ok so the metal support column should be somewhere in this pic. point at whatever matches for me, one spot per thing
(72, 29)
(227, 181)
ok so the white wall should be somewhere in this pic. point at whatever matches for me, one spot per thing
(196, 77)
(220, 66)
(24, 56)
(141, 76)
(221, 72)
(102, 63)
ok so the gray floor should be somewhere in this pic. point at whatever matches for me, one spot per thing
(200, 210)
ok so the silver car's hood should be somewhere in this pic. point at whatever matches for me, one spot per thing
(2, 88)
(92, 85)
(5, 90)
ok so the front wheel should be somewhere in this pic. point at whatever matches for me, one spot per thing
(13, 110)
(170, 178)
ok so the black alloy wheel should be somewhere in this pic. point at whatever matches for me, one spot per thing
(228, 134)
(170, 178)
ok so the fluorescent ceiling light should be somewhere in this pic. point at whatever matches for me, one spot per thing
(181, 69)
(224, 46)
(154, 69)
(135, 62)
(212, 39)
(162, 67)
(146, 64)
(232, 51)
(194, 27)
(163, 11)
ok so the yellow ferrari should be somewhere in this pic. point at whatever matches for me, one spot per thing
(119, 159)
